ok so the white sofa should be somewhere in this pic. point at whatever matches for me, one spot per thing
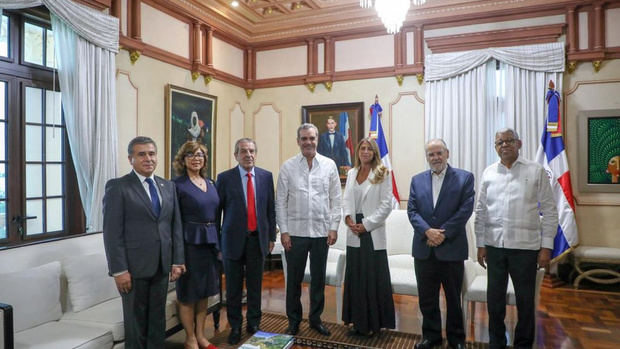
(399, 234)
(62, 297)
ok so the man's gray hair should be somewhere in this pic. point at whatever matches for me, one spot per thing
(306, 126)
(507, 130)
(245, 140)
(140, 140)
(435, 140)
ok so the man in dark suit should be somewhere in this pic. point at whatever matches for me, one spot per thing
(332, 145)
(248, 234)
(440, 203)
(143, 243)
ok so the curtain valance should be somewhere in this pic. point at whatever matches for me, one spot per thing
(540, 58)
(94, 26)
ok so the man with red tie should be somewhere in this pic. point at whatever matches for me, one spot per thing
(248, 233)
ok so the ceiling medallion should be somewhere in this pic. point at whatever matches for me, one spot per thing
(391, 12)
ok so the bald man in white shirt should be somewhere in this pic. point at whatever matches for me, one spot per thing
(511, 237)
(308, 213)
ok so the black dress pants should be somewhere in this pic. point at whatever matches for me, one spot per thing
(296, 264)
(249, 265)
(144, 312)
(521, 265)
(432, 273)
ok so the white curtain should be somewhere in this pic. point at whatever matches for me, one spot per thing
(541, 57)
(86, 42)
(466, 101)
(525, 104)
(455, 111)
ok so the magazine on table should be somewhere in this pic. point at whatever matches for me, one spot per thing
(266, 340)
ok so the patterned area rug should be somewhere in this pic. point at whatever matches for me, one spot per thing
(339, 339)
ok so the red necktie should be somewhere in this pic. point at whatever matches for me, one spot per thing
(251, 205)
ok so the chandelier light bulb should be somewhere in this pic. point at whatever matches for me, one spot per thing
(392, 13)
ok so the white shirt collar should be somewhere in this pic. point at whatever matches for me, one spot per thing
(244, 173)
(143, 178)
(440, 174)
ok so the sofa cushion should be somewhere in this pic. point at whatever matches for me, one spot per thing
(34, 294)
(402, 274)
(477, 291)
(109, 315)
(399, 233)
(58, 335)
(88, 281)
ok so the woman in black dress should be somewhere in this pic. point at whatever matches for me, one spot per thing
(198, 201)
(367, 203)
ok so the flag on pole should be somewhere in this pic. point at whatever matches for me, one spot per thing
(346, 132)
(552, 156)
(376, 133)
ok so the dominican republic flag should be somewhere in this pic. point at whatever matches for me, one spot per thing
(376, 133)
(346, 132)
(552, 156)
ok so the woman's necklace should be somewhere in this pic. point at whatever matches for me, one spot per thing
(198, 181)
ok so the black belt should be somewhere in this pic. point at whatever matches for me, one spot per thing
(208, 224)
(253, 233)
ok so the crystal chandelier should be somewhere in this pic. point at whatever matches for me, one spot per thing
(391, 12)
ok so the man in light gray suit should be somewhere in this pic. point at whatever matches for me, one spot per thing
(143, 244)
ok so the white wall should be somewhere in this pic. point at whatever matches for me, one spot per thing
(373, 52)
(164, 31)
(227, 58)
(281, 62)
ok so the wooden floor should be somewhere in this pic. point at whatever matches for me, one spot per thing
(566, 318)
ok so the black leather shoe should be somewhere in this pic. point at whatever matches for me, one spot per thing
(427, 344)
(235, 336)
(458, 346)
(356, 333)
(292, 329)
(252, 329)
(320, 328)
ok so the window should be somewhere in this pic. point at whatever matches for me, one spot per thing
(38, 44)
(4, 36)
(38, 188)
(496, 81)
(3, 94)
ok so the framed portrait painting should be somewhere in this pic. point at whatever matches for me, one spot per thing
(599, 151)
(190, 116)
(340, 126)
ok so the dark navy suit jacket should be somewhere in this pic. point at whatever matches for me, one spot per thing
(338, 152)
(454, 207)
(234, 222)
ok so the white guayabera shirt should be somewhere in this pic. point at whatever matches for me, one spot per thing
(308, 201)
(509, 206)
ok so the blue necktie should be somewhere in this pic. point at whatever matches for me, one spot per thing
(154, 197)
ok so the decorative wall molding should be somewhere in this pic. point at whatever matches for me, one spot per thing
(98, 4)
(280, 125)
(128, 74)
(219, 25)
(230, 127)
(496, 38)
(589, 199)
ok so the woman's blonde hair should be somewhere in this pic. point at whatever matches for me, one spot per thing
(189, 147)
(376, 164)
